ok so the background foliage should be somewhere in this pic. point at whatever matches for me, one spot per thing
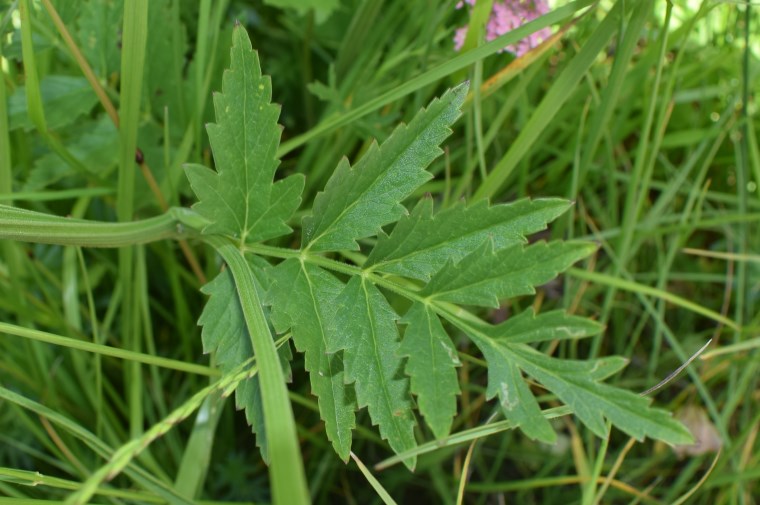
(645, 120)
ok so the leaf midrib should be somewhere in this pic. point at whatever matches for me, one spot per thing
(472, 285)
(399, 130)
(323, 348)
(376, 356)
(521, 237)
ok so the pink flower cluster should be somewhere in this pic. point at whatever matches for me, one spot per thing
(506, 15)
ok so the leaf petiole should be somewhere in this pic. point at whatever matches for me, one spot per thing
(29, 226)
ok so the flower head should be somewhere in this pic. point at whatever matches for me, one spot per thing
(506, 15)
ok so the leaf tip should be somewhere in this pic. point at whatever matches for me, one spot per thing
(464, 86)
(459, 93)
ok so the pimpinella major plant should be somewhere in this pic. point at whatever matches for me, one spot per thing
(360, 350)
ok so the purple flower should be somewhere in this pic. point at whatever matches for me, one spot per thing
(506, 15)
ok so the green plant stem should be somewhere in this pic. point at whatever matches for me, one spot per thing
(619, 283)
(28, 226)
(121, 458)
(6, 165)
(134, 39)
(466, 436)
(32, 88)
(286, 470)
(104, 350)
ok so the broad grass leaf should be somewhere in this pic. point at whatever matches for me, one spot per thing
(366, 332)
(225, 334)
(239, 199)
(422, 242)
(359, 200)
(431, 362)
(322, 8)
(486, 276)
(303, 298)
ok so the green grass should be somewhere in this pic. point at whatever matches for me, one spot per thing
(643, 116)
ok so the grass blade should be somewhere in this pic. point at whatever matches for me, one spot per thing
(286, 466)
(561, 90)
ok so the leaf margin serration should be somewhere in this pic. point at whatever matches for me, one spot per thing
(337, 220)
(435, 393)
(238, 194)
(336, 407)
(495, 275)
(391, 410)
(438, 240)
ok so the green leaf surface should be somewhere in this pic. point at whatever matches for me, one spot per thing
(576, 384)
(517, 401)
(486, 276)
(422, 243)
(431, 362)
(359, 200)
(164, 71)
(99, 35)
(239, 199)
(224, 333)
(527, 327)
(303, 298)
(95, 145)
(365, 330)
(64, 99)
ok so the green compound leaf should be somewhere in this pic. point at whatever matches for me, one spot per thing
(303, 298)
(349, 333)
(365, 330)
(486, 276)
(431, 364)
(505, 379)
(576, 384)
(422, 243)
(239, 199)
(358, 200)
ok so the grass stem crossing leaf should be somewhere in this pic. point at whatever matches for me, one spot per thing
(303, 298)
